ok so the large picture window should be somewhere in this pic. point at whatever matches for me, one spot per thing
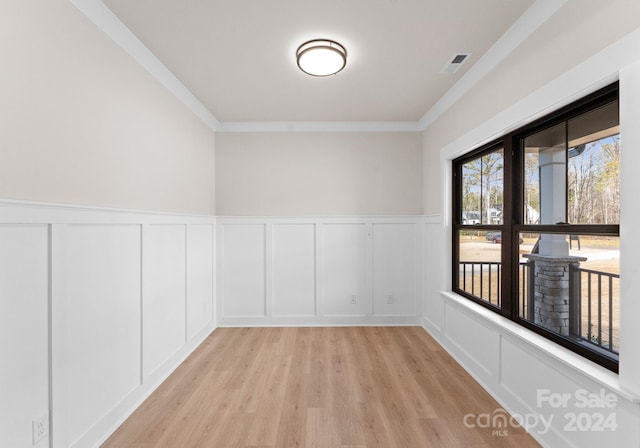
(536, 226)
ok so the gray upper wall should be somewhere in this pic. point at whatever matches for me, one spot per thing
(82, 123)
(318, 174)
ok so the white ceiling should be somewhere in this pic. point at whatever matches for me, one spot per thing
(238, 57)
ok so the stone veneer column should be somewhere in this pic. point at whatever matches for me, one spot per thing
(551, 290)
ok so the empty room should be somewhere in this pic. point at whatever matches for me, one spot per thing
(340, 224)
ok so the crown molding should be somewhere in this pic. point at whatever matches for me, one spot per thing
(102, 17)
(98, 13)
(525, 26)
(319, 126)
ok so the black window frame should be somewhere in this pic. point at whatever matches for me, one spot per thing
(513, 224)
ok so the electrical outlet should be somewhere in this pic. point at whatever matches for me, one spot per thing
(40, 428)
(353, 299)
(390, 299)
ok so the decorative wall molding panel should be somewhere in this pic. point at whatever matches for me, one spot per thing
(106, 303)
(24, 316)
(512, 363)
(515, 365)
(319, 271)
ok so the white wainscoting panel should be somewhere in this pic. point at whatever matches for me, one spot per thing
(309, 270)
(344, 271)
(72, 314)
(200, 273)
(395, 252)
(294, 270)
(243, 270)
(473, 339)
(103, 332)
(164, 294)
(527, 361)
(541, 379)
(515, 365)
(24, 283)
(433, 274)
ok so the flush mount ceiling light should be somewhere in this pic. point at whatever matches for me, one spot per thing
(321, 57)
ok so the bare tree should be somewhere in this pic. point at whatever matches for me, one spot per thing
(594, 184)
(608, 183)
(484, 176)
(531, 187)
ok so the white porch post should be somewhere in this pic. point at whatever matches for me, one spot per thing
(553, 199)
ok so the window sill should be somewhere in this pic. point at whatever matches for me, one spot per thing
(560, 354)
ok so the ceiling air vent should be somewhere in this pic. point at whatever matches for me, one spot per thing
(455, 62)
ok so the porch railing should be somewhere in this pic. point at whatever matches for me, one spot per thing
(592, 304)
(592, 295)
(482, 279)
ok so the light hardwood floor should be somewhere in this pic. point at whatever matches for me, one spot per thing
(387, 387)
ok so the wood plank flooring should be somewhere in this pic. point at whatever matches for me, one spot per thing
(386, 387)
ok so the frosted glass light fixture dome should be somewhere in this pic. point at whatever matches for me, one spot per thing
(321, 57)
